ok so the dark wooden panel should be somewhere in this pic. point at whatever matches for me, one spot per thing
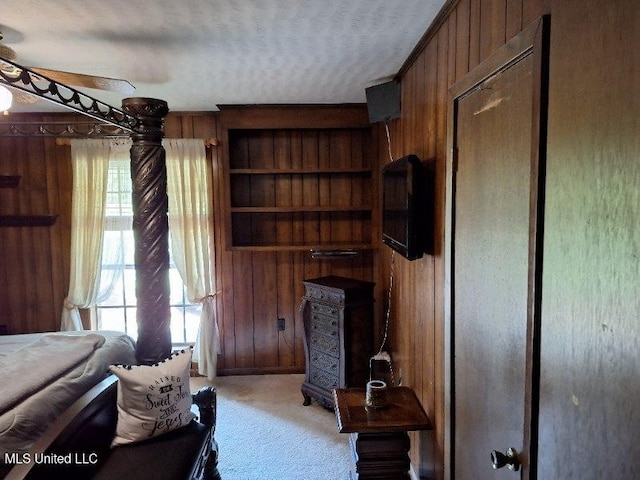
(243, 315)
(513, 23)
(492, 26)
(225, 297)
(461, 49)
(30, 256)
(360, 194)
(299, 271)
(286, 309)
(283, 185)
(59, 188)
(434, 455)
(310, 186)
(264, 296)
(532, 9)
(474, 32)
(590, 309)
(452, 26)
(297, 185)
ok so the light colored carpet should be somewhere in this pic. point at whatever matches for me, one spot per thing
(265, 433)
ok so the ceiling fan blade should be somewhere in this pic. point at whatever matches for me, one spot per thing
(89, 81)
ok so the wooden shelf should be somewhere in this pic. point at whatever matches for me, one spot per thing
(295, 171)
(27, 220)
(9, 181)
(311, 208)
(299, 248)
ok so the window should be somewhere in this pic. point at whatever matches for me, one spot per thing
(116, 307)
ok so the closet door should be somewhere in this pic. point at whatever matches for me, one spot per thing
(495, 223)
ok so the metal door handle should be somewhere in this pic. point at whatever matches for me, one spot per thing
(510, 459)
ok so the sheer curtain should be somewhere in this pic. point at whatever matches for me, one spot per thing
(90, 164)
(188, 189)
(117, 221)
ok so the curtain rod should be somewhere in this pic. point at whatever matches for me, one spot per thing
(66, 141)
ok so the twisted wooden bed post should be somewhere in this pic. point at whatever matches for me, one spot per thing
(150, 228)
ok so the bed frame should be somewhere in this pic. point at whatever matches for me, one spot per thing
(80, 439)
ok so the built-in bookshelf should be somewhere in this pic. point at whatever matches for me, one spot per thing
(299, 188)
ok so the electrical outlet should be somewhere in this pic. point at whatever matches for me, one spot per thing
(281, 324)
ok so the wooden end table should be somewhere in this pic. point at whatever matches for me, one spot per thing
(378, 437)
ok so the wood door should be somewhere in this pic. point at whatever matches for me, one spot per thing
(495, 231)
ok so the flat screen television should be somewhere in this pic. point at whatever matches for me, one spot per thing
(404, 206)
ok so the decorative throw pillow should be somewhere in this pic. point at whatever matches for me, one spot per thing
(153, 399)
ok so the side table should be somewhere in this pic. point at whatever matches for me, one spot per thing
(378, 437)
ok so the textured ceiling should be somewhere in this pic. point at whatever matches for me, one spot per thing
(196, 54)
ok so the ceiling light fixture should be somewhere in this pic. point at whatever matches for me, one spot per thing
(5, 99)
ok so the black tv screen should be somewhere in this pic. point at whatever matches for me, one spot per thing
(403, 206)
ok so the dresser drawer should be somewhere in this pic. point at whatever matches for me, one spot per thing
(323, 379)
(325, 362)
(324, 324)
(325, 295)
(325, 343)
(328, 310)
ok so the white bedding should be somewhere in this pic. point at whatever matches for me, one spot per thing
(22, 423)
(53, 354)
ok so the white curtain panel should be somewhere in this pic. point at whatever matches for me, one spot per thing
(90, 164)
(190, 210)
(118, 219)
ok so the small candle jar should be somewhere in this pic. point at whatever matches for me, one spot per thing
(376, 396)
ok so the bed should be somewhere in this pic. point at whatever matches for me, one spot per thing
(44, 373)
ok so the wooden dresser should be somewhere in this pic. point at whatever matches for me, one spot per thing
(338, 336)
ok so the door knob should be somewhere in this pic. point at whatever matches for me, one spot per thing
(510, 459)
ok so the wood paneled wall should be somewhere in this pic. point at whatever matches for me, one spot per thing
(255, 287)
(466, 33)
(34, 261)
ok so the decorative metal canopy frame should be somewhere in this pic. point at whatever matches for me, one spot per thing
(21, 78)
